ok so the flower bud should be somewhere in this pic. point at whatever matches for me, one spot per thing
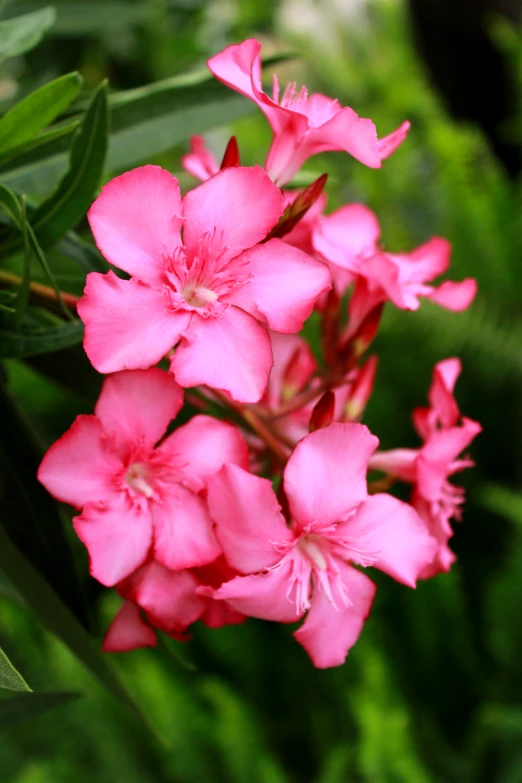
(323, 412)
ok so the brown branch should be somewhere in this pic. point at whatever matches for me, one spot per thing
(39, 293)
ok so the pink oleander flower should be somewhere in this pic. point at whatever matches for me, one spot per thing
(158, 598)
(348, 240)
(204, 290)
(202, 164)
(303, 125)
(137, 498)
(307, 565)
(445, 434)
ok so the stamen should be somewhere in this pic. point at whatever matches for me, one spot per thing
(138, 479)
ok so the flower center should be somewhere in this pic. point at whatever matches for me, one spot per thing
(310, 547)
(198, 295)
(138, 478)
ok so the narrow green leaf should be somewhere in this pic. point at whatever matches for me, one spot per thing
(45, 137)
(42, 599)
(86, 255)
(34, 341)
(30, 705)
(74, 195)
(23, 290)
(12, 206)
(10, 678)
(9, 201)
(23, 33)
(27, 118)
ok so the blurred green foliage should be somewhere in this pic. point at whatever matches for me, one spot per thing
(432, 692)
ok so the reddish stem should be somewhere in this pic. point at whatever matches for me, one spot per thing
(273, 441)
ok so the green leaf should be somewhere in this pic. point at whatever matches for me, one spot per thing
(54, 132)
(23, 291)
(74, 195)
(10, 678)
(9, 201)
(23, 33)
(30, 705)
(35, 112)
(44, 602)
(27, 511)
(86, 255)
(145, 122)
(151, 120)
(33, 341)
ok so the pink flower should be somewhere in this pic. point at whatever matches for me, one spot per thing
(306, 566)
(208, 291)
(201, 163)
(348, 240)
(159, 598)
(303, 125)
(137, 498)
(445, 434)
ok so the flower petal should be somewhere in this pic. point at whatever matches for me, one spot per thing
(183, 535)
(117, 536)
(218, 614)
(325, 478)
(294, 366)
(439, 452)
(393, 534)
(396, 462)
(283, 287)
(347, 132)
(262, 595)
(128, 631)
(440, 395)
(437, 522)
(250, 526)
(136, 221)
(204, 444)
(81, 465)
(346, 234)
(389, 143)
(455, 296)
(238, 66)
(128, 325)
(138, 405)
(231, 352)
(168, 597)
(241, 204)
(330, 630)
(426, 261)
(199, 162)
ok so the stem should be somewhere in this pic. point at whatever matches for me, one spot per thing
(300, 400)
(273, 441)
(40, 293)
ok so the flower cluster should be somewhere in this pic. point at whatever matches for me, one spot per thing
(215, 286)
